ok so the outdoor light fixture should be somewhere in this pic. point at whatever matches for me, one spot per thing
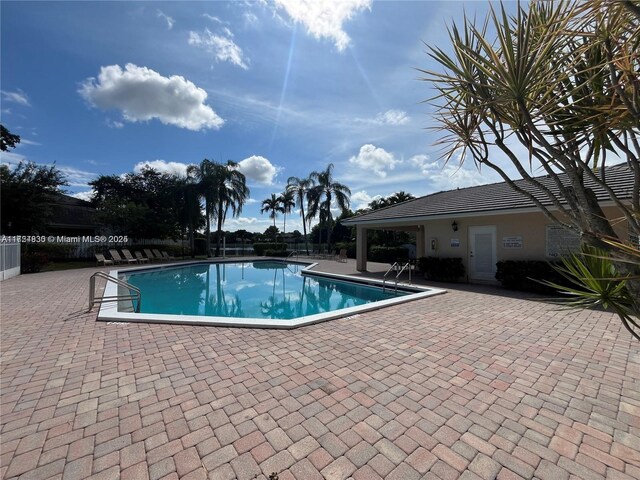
(454, 225)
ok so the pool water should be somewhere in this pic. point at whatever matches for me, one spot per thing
(261, 289)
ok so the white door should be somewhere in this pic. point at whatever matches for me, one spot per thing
(482, 253)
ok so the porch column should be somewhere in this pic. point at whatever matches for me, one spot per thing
(361, 248)
(421, 242)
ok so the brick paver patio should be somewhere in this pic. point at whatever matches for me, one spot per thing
(471, 384)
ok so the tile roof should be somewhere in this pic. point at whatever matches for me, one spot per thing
(490, 198)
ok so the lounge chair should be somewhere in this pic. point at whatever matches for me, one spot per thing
(157, 253)
(150, 255)
(342, 256)
(118, 259)
(141, 258)
(101, 260)
(166, 256)
(128, 256)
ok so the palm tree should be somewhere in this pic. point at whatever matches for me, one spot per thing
(300, 187)
(287, 200)
(232, 193)
(323, 194)
(273, 206)
(205, 174)
(223, 187)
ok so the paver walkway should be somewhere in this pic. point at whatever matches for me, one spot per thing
(470, 384)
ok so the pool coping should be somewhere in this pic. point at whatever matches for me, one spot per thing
(109, 311)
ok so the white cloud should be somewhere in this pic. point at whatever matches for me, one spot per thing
(213, 18)
(77, 177)
(83, 195)
(143, 94)
(173, 168)
(361, 199)
(375, 159)
(114, 124)
(18, 97)
(448, 176)
(170, 21)
(258, 169)
(392, 117)
(11, 158)
(325, 18)
(223, 47)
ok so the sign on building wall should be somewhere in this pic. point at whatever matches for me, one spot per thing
(561, 241)
(455, 242)
(514, 241)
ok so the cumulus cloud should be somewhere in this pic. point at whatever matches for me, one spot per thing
(142, 94)
(392, 117)
(173, 168)
(170, 21)
(258, 169)
(361, 199)
(86, 196)
(221, 46)
(325, 18)
(18, 97)
(375, 159)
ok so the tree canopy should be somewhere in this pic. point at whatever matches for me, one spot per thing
(559, 80)
(26, 193)
(7, 139)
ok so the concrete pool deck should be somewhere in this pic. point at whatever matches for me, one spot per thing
(474, 383)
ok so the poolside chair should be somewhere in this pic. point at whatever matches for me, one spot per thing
(141, 258)
(118, 259)
(342, 256)
(101, 260)
(158, 255)
(166, 256)
(150, 255)
(128, 256)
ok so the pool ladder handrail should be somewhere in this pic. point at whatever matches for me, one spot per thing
(93, 299)
(401, 268)
(293, 252)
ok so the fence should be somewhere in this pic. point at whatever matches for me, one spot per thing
(9, 260)
(82, 249)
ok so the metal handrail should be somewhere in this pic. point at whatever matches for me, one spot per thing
(292, 253)
(406, 265)
(93, 300)
(384, 277)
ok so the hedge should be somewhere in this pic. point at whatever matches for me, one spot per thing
(522, 275)
(261, 248)
(388, 254)
(441, 269)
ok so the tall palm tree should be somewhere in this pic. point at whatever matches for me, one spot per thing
(300, 187)
(205, 174)
(272, 206)
(322, 195)
(287, 201)
(232, 193)
(223, 187)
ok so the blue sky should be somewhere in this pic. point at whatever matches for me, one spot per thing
(284, 87)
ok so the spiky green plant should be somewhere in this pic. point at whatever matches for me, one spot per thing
(594, 281)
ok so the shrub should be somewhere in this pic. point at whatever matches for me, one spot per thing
(388, 254)
(522, 275)
(276, 253)
(53, 251)
(261, 248)
(441, 269)
(32, 262)
(349, 246)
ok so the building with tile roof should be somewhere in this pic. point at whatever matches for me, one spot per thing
(488, 223)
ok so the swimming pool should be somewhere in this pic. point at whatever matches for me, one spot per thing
(262, 293)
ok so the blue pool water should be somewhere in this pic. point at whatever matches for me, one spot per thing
(261, 289)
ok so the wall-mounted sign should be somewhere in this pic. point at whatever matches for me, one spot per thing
(514, 241)
(561, 241)
(455, 242)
